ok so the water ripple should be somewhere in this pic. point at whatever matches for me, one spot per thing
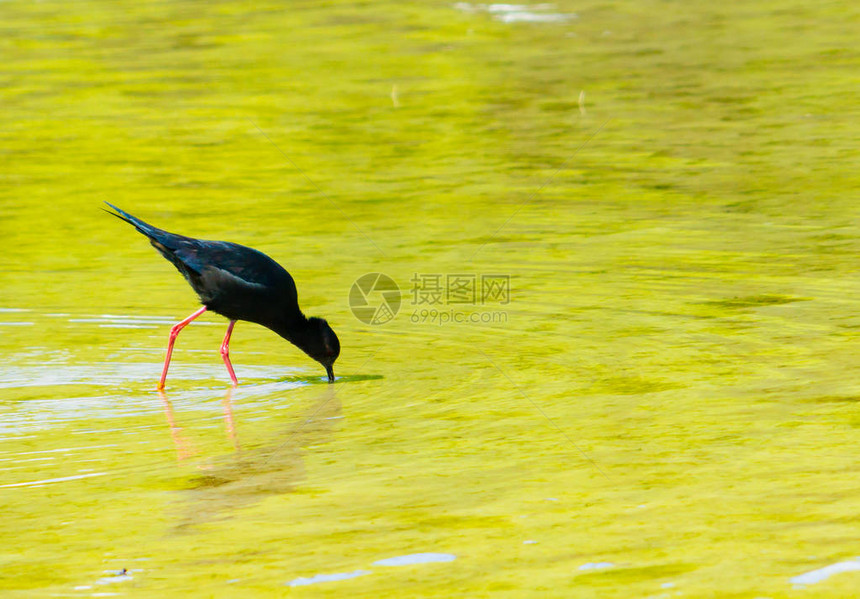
(416, 558)
(302, 581)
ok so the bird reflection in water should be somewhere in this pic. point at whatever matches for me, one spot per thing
(245, 477)
(184, 449)
(229, 421)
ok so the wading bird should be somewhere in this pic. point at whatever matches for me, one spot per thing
(240, 283)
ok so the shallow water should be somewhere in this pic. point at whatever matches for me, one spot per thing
(659, 400)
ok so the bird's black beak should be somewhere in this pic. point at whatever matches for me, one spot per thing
(329, 368)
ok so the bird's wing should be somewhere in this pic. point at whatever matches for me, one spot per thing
(218, 265)
(214, 277)
(214, 266)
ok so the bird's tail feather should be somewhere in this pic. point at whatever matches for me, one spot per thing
(138, 224)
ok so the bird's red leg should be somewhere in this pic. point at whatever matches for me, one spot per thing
(225, 353)
(174, 332)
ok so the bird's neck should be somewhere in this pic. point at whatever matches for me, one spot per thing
(296, 330)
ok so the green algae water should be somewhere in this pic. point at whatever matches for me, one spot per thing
(621, 352)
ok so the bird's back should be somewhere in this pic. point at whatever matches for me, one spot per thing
(236, 281)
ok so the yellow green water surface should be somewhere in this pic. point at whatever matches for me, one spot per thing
(663, 404)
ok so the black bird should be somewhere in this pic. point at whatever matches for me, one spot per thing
(239, 283)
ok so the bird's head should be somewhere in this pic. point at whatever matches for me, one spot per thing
(322, 345)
